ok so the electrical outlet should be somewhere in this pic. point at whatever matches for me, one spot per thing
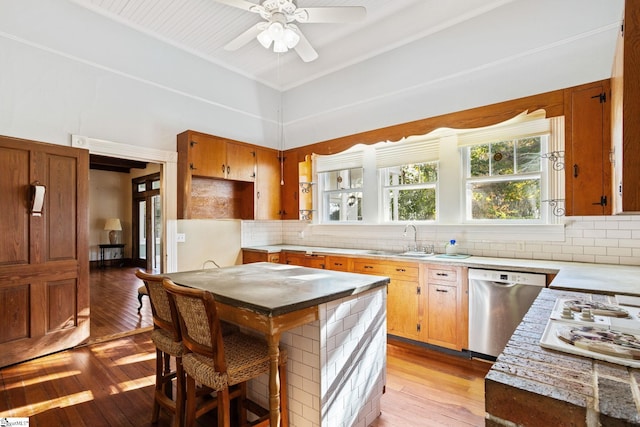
(181, 237)
(521, 246)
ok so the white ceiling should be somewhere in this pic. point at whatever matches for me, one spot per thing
(203, 27)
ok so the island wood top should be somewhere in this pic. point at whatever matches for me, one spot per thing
(274, 289)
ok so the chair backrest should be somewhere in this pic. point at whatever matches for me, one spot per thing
(160, 305)
(196, 312)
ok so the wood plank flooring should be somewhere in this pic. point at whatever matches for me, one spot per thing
(109, 381)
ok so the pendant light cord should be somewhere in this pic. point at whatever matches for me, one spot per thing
(281, 125)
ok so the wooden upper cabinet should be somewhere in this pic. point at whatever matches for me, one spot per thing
(267, 204)
(291, 187)
(241, 162)
(207, 156)
(587, 148)
(625, 107)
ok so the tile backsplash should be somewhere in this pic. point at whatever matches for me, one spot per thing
(599, 239)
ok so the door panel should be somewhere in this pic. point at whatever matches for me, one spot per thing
(14, 217)
(44, 260)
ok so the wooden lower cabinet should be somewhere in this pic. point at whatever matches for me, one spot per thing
(425, 302)
(404, 295)
(249, 256)
(447, 310)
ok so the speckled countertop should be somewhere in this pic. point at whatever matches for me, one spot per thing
(585, 277)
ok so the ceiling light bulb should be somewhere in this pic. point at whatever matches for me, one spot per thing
(291, 38)
(276, 31)
(265, 38)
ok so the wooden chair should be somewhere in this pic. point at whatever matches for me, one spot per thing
(168, 341)
(223, 363)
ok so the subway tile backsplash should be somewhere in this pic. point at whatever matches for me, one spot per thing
(602, 240)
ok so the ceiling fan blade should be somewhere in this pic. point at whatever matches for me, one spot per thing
(245, 37)
(330, 14)
(304, 48)
(240, 4)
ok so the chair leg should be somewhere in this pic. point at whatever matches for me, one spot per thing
(190, 408)
(241, 404)
(159, 385)
(224, 412)
(140, 301)
(180, 394)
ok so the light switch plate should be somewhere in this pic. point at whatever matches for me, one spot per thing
(181, 238)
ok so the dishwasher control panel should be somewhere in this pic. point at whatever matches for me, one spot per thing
(535, 279)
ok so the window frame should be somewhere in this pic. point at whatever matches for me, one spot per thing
(467, 179)
(384, 207)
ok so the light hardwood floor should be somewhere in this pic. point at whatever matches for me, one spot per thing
(109, 381)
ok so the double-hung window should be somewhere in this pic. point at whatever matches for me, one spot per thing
(505, 178)
(408, 172)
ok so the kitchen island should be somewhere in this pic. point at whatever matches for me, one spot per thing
(333, 325)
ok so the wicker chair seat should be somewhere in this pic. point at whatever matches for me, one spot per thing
(165, 343)
(247, 357)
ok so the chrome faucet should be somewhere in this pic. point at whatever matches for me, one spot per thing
(415, 235)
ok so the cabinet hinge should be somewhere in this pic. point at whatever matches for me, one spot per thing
(192, 143)
(419, 290)
(602, 97)
(418, 327)
(622, 28)
(191, 167)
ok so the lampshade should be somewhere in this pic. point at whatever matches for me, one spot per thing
(281, 35)
(113, 224)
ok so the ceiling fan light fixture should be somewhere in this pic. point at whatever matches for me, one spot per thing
(265, 38)
(279, 46)
(291, 38)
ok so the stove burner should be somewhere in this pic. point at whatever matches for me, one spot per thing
(599, 340)
(596, 308)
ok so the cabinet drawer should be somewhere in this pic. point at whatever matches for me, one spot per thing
(402, 271)
(338, 263)
(442, 274)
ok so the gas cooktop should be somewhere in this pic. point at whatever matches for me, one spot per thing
(606, 330)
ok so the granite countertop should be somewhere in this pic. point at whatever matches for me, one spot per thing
(275, 289)
(585, 277)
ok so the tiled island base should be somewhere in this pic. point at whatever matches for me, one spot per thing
(336, 366)
(533, 386)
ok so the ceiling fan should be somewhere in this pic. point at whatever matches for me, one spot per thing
(279, 28)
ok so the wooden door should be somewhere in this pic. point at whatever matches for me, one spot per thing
(44, 260)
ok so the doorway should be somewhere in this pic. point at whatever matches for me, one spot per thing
(146, 223)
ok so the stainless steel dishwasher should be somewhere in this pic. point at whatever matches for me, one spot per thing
(498, 300)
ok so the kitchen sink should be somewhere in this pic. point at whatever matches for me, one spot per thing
(412, 254)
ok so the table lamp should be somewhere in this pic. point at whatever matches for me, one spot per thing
(113, 225)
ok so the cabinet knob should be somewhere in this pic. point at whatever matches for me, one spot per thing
(228, 169)
(223, 168)
(258, 195)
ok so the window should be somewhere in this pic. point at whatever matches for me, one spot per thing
(504, 180)
(342, 194)
(409, 192)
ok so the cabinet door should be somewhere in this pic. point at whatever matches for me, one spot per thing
(249, 257)
(241, 162)
(443, 315)
(290, 189)
(588, 142)
(403, 305)
(267, 186)
(207, 156)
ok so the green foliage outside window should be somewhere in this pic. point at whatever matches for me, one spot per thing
(504, 179)
(411, 192)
